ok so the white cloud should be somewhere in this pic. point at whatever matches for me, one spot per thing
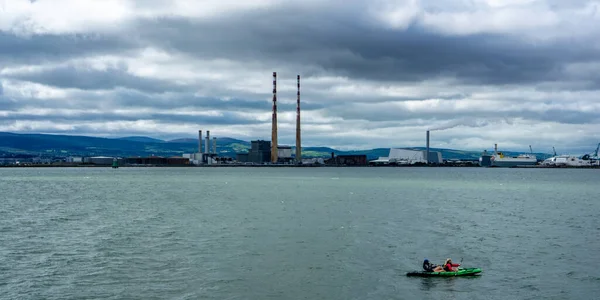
(82, 16)
(63, 16)
(396, 14)
(17, 89)
(506, 20)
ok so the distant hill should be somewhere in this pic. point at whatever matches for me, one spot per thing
(225, 140)
(67, 145)
(143, 139)
(184, 141)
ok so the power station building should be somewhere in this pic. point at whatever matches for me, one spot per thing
(260, 153)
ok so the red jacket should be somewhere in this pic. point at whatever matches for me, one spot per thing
(448, 267)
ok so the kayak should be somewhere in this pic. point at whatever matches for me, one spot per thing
(459, 272)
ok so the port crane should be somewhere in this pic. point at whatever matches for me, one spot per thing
(594, 155)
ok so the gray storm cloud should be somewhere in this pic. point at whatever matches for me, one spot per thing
(371, 70)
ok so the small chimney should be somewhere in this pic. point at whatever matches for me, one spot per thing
(215, 145)
(427, 154)
(207, 146)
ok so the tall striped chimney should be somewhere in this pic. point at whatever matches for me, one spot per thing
(199, 141)
(274, 156)
(298, 139)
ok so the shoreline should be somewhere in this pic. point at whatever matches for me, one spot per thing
(288, 166)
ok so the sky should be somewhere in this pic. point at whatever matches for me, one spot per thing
(374, 73)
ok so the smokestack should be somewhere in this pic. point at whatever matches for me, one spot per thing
(207, 146)
(199, 141)
(298, 139)
(215, 145)
(427, 155)
(274, 122)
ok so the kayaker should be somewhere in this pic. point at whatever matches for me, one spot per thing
(429, 267)
(448, 265)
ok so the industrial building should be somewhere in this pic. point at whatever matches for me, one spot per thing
(313, 161)
(74, 159)
(347, 160)
(399, 156)
(415, 156)
(158, 160)
(98, 160)
(284, 154)
(207, 151)
(259, 153)
(241, 157)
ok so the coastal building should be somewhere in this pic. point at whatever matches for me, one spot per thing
(259, 153)
(98, 160)
(74, 159)
(398, 156)
(158, 160)
(241, 157)
(347, 160)
(313, 161)
(284, 154)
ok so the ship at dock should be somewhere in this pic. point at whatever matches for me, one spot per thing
(498, 159)
(565, 160)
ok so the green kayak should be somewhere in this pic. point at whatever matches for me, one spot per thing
(460, 272)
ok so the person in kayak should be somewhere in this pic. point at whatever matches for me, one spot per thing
(429, 267)
(449, 266)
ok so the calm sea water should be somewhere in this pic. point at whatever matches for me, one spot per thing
(289, 233)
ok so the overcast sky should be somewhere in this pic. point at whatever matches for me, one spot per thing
(373, 73)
